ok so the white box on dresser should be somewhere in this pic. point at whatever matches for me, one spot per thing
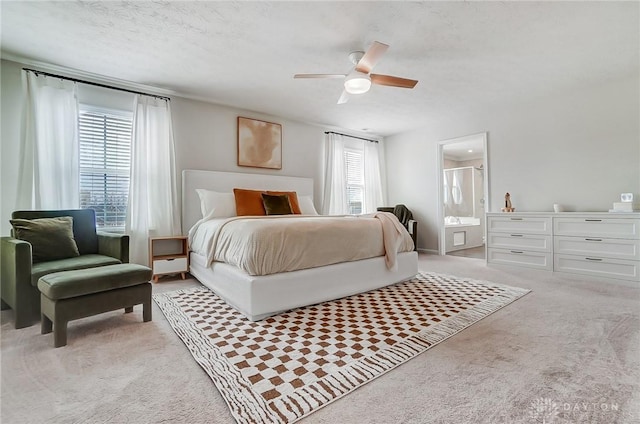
(599, 244)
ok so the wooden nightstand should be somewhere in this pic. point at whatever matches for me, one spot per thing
(168, 255)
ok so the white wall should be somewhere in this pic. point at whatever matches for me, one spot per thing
(205, 136)
(580, 149)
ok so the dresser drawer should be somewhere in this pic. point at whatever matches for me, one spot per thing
(538, 243)
(539, 260)
(519, 225)
(597, 227)
(602, 267)
(599, 247)
(169, 266)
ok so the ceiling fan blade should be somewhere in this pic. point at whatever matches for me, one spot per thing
(344, 98)
(371, 57)
(319, 76)
(392, 81)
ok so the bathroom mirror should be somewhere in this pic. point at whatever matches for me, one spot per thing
(463, 197)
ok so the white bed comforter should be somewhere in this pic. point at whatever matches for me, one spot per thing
(271, 244)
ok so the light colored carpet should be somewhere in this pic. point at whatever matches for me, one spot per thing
(285, 367)
(573, 341)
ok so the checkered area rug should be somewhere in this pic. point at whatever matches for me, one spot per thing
(283, 368)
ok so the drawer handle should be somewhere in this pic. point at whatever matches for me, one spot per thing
(593, 220)
(593, 259)
(516, 219)
(590, 239)
(517, 251)
(516, 235)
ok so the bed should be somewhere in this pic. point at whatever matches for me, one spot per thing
(260, 296)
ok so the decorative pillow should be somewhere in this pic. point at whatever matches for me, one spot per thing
(216, 205)
(50, 238)
(276, 204)
(293, 199)
(248, 202)
(306, 205)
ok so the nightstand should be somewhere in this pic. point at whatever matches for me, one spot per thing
(168, 255)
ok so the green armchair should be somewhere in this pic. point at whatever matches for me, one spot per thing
(19, 283)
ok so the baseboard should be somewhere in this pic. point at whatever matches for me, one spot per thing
(431, 251)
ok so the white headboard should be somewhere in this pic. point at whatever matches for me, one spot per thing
(225, 182)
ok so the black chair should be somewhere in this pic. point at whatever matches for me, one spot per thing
(405, 217)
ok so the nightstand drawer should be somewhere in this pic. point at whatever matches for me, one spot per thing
(599, 247)
(538, 243)
(602, 267)
(597, 227)
(519, 225)
(539, 260)
(168, 266)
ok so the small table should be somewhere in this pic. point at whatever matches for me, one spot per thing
(169, 255)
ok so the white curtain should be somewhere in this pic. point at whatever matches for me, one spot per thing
(456, 190)
(153, 209)
(334, 201)
(446, 187)
(49, 170)
(373, 196)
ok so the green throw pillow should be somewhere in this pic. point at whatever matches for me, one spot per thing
(50, 238)
(276, 204)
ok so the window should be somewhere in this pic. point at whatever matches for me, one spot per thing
(354, 164)
(105, 157)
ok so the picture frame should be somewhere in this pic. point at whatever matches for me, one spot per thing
(259, 143)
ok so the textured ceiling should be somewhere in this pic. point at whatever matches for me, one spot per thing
(466, 55)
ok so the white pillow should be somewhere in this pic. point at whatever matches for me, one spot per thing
(306, 205)
(216, 205)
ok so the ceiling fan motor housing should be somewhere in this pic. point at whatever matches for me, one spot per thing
(355, 56)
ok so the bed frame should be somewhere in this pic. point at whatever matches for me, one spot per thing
(258, 297)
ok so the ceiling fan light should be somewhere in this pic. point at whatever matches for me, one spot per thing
(357, 83)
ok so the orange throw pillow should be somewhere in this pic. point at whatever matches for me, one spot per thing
(293, 199)
(248, 202)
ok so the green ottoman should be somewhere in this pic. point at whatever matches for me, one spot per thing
(69, 295)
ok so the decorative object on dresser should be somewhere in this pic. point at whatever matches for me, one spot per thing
(625, 204)
(259, 143)
(600, 244)
(285, 367)
(507, 204)
(168, 255)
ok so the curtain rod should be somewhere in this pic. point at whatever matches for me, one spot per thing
(352, 136)
(47, 74)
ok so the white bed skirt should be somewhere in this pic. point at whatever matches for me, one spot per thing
(258, 297)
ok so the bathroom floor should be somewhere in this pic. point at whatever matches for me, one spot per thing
(474, 252)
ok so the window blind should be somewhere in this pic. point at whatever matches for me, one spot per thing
(105, 157)
(354, 163)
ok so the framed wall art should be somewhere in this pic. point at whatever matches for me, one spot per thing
(259, 144)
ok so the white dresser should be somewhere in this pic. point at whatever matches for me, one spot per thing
(599, 244)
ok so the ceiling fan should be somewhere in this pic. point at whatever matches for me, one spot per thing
(360, 78)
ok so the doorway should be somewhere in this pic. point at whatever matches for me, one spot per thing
(463, 195)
